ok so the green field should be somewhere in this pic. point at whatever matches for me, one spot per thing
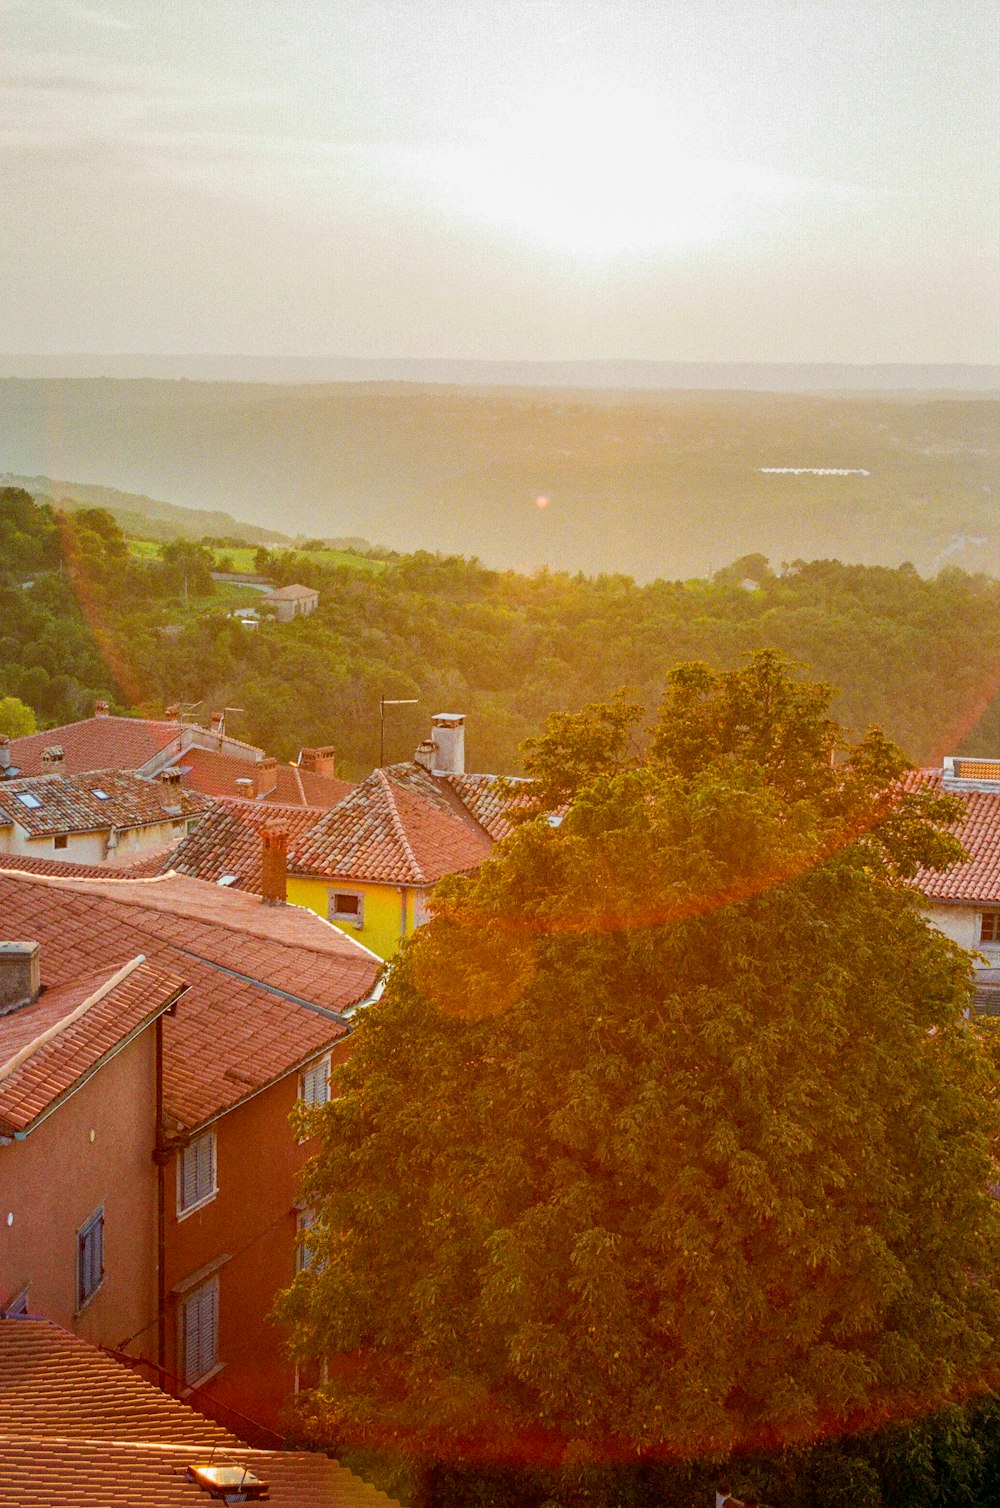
(241, 557)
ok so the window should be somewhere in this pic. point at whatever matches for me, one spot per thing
(347, 906)
(305, 1257)
(199, 1331)
(61, 841)
(28, 800)
(17, 1306)
(314, 1085)
(89, 1258)
(196, 1174)
(101, 795)
(989, 928)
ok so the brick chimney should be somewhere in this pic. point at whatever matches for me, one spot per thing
(321, 761)
(171, 714)
(171, 775)
(266, 776)
(273, 865)
(101, 709)
(20, 979)
(52, 759)
(448, 735)
(244, 787)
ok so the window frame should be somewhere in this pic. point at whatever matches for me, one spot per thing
(88, 1286)
(198, 1203)
(324, 1063)
(305, 1258)
(355, 919)
(207, 1291)
(990, 918)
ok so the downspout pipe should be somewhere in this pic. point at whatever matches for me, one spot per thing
(160, 1158)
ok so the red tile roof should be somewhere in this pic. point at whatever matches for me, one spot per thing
(268, 985)
(96, 743)
(977, 881)
(216, 775)
(133, 869)
(294, 593)
(227, 840)
(485, 799)
(69, 803)
(78, 1429)
(47, 1047)
(400, 826)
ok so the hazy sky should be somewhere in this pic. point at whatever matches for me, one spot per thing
(769, 180)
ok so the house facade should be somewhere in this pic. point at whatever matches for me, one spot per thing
(289, 602)
(107, 816)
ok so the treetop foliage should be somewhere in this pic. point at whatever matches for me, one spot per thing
(668, 1136)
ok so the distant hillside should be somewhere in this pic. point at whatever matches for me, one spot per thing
(652, 484)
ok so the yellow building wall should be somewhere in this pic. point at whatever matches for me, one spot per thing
(388, 909)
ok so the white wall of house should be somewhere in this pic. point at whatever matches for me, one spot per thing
(963, 924)
(92, 848)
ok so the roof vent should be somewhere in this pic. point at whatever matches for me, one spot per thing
(229, 1484)
(20, 978)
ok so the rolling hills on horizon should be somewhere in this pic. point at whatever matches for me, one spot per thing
(639, 482)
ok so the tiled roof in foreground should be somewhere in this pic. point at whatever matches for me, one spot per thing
(79, 1429)
(977, 880)
(267, 985)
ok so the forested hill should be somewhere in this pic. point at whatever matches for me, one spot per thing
(649, 483)
(920, 657)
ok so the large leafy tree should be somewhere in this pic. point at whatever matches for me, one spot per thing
(668, 1135)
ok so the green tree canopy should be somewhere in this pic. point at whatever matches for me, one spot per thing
(668, 1134)
(16, 718)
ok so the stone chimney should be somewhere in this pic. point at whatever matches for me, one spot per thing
(425, 755)
(319, 761)
(273, 865)
(448, 736)
(266, 776)
(52, 759)
(244, 787)
(4, 752)
(101, 709)
(171, 776)
(171, 714)
(20, 980)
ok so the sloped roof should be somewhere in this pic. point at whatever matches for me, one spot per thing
(79, 1429)
(267, 985)
(227, 840)
(400, 826)
(69, 803)
(64, 1036)
(291, 593)
(109, 743)
(977, 881)
(485, 799)
(133, 869)
(216, 775)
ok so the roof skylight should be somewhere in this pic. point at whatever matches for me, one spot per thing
(101, 795)
(28, 800)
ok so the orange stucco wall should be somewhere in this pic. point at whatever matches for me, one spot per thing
(252, 1220)
(96, 1148)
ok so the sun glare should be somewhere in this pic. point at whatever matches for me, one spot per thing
(599, 174)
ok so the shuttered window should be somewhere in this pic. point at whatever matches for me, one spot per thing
(200, 1331)
(90, 1257)
(314, 1087)
(989, 928)
(304, 1255)
(196, 1173)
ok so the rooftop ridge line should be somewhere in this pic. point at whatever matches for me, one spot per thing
(397, 823)
(30, 1048)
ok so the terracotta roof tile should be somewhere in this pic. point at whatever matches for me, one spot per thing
(216, 775)
(400, 826)
(48, 1046)
(111, 743)
(267, 984)
(294, 593)
(135, 869)
(977, 881)
(227, 840)
(483, 796)
(71, 803)
(78, 1429)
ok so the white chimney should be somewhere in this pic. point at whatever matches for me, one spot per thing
(448, 735)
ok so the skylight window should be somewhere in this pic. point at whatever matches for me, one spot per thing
(28, 800)
(101, 795)
(228, 879)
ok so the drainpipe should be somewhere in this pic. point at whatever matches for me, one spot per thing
(402, 912)
(160, 1157)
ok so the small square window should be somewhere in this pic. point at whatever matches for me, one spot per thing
(28, 800)
(61, 841)
(989, 928)
(347, 906)
(89, 1258)
(101, 795)
(196, 1174)
(199, 1331)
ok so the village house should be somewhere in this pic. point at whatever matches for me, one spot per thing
(290, 602)
(107, 816)
(208, 760)
(80, 1429)
(271, 991)
(79, 1056)
(964, 900)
